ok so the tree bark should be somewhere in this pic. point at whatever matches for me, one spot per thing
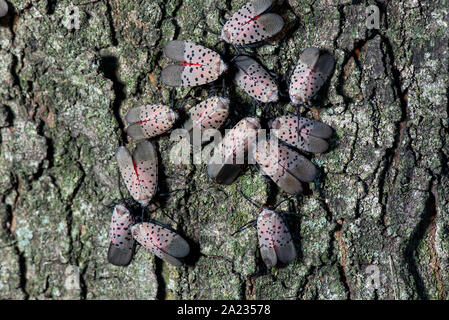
(374, 224)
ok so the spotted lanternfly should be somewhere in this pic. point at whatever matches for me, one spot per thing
(164, 243)
(275, 240)
(312, 70)
(255, 80)
(139, 171)
(121, 242)
(150, 121)
(199, 65)
(302, 133)
(209, 114)
(249, 25)
(284, 166)
(234, 144)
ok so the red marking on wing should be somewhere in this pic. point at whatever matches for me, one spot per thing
(135, 170)
(253, 19)
(162, 250)
(190, 64)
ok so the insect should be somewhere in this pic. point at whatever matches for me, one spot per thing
(139, 171)
(302, 133)
(150, 120)
(311, 72)
(255, 80)
(228, 159)
(275, 240)
(284, 166)
(209, 114)
(163, 242)
(121, 242)
(249, 25)
(199, 65)
(3, 8)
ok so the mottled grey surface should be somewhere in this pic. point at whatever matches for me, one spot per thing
(381, 201)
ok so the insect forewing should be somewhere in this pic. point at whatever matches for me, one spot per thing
(282, 239)
(249, 25)
(285, 167)
(309, 75)
(139, 171)
(275, 240)
(199, 65)
(146, 162)
(232, 149)
(163, 242)
(127, 171)
(121, 242)
(211, 113)
(265, 234)
(149, 121)
(255, 80)
(302, 133)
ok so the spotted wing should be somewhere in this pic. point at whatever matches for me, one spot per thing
(249, 25)
(188, 75)
(255, 80)
(150, 121)
(128, 172)
(282, 240)
(121, 242)
(275, 240)
(199, 65)
(163, 242)
(302, 133)
(309, 75)
(186, 51)
(265, 230)
(139, 171)
(229, 155)
(211, 113)
(285, 167)
(146, 163)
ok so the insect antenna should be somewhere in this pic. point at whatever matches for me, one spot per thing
(249, 200)
(245, 50)
(294, 213)
(169, 216)
(142, 214)
(288, 199)
(221, 16)
(119, 184)
(245, 226)
(206, 29)
(225, 87)
(171, 191)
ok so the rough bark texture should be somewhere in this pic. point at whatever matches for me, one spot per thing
(380, 203)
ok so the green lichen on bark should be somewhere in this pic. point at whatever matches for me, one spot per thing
(380, 200)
